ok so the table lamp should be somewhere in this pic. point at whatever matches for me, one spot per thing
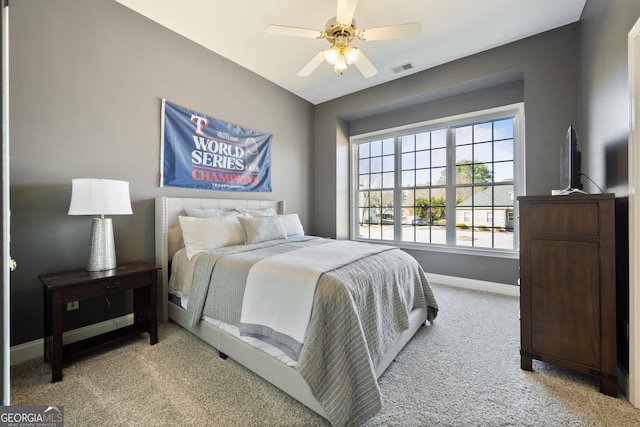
(100, 197)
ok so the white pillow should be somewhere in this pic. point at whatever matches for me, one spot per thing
(262, 229)
(205, 213)
(257, 213)
(262, 212)
(292, 225)
(204, 234)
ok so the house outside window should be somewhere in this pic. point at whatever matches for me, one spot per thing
(409, 181)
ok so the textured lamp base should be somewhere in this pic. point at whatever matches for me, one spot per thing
(102, 250)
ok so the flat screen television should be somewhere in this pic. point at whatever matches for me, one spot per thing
(570, 163)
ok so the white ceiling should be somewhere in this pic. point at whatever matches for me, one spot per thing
(451, 29)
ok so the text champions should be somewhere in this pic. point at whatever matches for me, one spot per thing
(203, 152)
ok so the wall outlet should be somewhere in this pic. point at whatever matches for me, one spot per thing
(73, 305)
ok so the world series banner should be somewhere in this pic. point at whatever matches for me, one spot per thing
(203, 152)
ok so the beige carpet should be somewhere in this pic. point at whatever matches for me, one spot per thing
(463, 370)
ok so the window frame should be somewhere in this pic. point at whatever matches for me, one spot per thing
(515, 111)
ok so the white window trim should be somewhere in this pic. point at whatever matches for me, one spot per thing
(517, 110)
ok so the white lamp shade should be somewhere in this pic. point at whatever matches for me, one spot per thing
(99, 197)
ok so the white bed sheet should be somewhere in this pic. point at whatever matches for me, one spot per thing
(235, 331)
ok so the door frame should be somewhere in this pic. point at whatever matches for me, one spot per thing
(5, 329)
(634, 214)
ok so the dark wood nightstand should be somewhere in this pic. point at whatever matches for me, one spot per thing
(61, 288)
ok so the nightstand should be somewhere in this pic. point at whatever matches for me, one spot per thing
(60, 288)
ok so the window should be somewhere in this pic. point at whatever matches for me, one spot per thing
(449, 183)
(376, 180)
(423, 164)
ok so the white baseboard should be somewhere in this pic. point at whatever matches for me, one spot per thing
(477, 285)
(33, 349)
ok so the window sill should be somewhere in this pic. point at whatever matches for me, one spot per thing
(492, 253)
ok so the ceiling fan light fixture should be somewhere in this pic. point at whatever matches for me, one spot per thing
(340, 66)
(352, 54)
(341, 30)
(332, 55)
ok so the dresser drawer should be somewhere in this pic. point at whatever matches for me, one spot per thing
(106, 286)
(580, 219)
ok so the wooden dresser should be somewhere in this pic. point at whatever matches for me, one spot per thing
(568, 284)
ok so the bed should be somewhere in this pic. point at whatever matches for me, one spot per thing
(353, 332)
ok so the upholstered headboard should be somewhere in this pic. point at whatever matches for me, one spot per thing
(169, 236)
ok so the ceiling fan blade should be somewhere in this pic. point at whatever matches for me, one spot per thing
(401, 31)
(346, 10)
(365, 66)
(281, 30)
(312, 65)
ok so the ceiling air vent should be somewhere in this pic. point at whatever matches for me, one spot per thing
(402, 68)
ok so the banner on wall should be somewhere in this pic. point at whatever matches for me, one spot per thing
(199, 151)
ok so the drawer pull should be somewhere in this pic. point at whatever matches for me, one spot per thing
(111, 285)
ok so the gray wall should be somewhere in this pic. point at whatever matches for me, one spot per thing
(604, 92)
(87, 79)
(546, 68)
(495, 96)
(604, 120)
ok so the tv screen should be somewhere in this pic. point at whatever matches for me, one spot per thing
(570, 162)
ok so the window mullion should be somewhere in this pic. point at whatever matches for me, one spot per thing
(451, 189)
(397, 191)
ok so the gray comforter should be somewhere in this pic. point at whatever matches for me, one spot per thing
(359, 309)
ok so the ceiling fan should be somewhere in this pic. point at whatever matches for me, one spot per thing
(340, 31)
